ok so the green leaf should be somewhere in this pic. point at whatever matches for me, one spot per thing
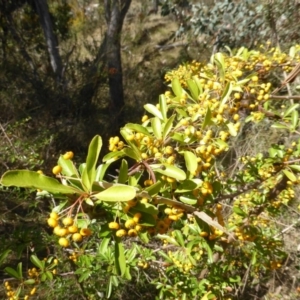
(179, 237)
(123, 175)
(232, 129)
(10, 271)
(89, 172)
(169, 170)
(29, 281)
(294, 167)
(100, 172)
(120, 261)
(189, 185)
(168, 238)
(138, 128)
(145, 208)
(193, 89)
(132, 154)
(190, 161)
(220, 62)
(4, 255)
(117, 193)
(19, 270)
(163, 106)
(290, 109)
(239, 211)
(49, 275)
(226, 93)
(294, 119)
(153, 110)
(30, 179)
(168, 126)
(207, 119)
(291, 176)
(154, 189)
(279, 126)
(38, 263)
(156, 126)
(68, 168)
(176, 87)
(188, 200)
(111, 157)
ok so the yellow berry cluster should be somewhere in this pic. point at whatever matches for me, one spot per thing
(68, 231)
(132, 226)
(181, 261)
(174, 213)
(184, 72)
(11, 294)
(115, 144)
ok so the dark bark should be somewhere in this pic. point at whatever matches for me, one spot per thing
(115, 12)
(51, 39)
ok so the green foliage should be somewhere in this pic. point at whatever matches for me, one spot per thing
(177, 216)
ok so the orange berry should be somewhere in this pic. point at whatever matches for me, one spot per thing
(73, 229)
(85, 232)
(121, 233)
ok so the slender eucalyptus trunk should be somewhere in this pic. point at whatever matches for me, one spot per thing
(115, 12)
(51, 39)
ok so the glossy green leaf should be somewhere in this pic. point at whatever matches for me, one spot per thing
(207, 119)
(163, 106)
(145, 208)
(176, 87)
(157, 128)
(169, 170)
(10, 271)
(290, 109)
(294, 119)
(123, 173)
(104, 245)
(291, 176)
(30, 281)
(188, 200)
(100, 172)
(295, 167)
(111, 157)
(132, 154)
(239, 211)
(190, 161)
(49, 275)
(30, 179)
(68, 168)
(89, 202)
(138, 128)
(179, 237)
(168, 126)
(153, 110)
(168, 238)
(220, 62)
(4, 255)
(127, 135)
(232, 129)
(120, 261)
(189, 185)
(154, 188)
(117, 193)
(226, 93)
(279, 126)
(38, 263)
(193, 89)
(89, 172)
(19, 270)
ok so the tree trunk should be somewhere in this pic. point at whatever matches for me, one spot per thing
(115, 12)
(51, 39)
